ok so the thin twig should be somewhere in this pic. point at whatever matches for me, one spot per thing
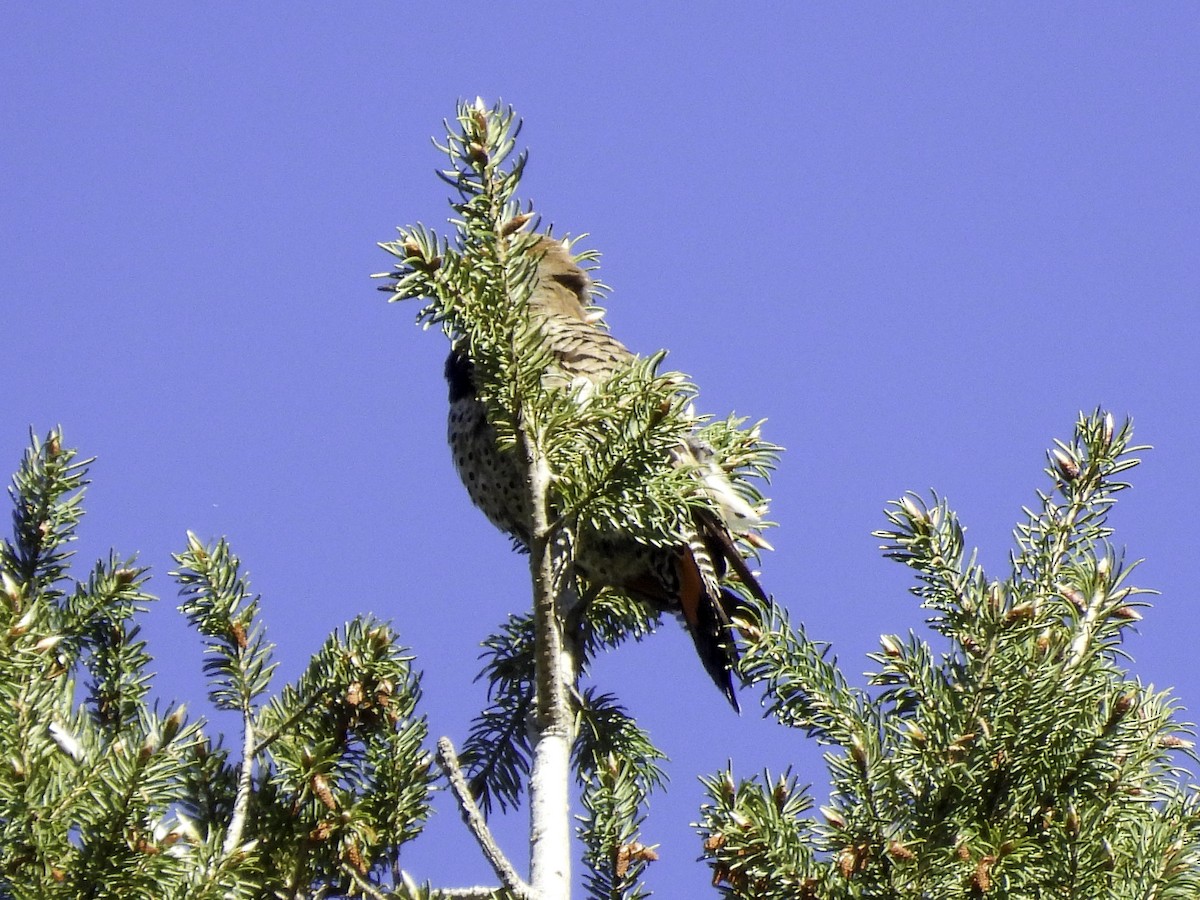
(448, 760)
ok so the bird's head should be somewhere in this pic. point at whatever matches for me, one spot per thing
(562, 287)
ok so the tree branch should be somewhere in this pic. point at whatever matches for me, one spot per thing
(241, 804)
(448, 760)
(554, 597)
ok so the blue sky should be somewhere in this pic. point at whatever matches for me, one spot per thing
(917, 239)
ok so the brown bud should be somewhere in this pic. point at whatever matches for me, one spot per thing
(847, 860)
(354, 693)
(1074, 595)
(982, 879)
(781, 793)
(971, 645)
(714, 842)
(237, 630)
(1071, 822)
(749, 628)
(833, 817)
(1043, 642)
(479, 114)
(355, 858)
(621, 863)
(918, 736)
(852, 859)
(631, 853)
(1120, 708)
(891, 645)
(320, 787)
(383, 692)
(173, 723)
(899, 852)
(858, 752)
(1068, 467)
(728, 788)
(515, 224)
(1020, 611)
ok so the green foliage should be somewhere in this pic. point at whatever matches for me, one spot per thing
(348, 778)
(102, 795)
(1020, 761)
(497, 750)
(1013, 755)
(215, 601)
(614, 461)
(617, 766)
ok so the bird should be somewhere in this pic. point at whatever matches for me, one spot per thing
(684, 579)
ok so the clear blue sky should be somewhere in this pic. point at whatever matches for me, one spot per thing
(917, 238)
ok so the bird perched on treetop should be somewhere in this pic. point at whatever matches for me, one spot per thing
(684, 579)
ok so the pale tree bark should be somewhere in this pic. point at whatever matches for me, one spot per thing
(549, 785)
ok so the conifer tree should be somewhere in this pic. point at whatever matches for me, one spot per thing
(104, 794)
(1012, 754)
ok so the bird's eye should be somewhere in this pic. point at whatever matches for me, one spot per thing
(575, 282)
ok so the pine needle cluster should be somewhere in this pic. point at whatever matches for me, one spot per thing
(1019, 760)
(102, 794)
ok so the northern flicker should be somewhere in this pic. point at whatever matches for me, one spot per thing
(683, 579)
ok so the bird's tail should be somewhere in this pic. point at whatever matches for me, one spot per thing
(712, 633)
(707, 606)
